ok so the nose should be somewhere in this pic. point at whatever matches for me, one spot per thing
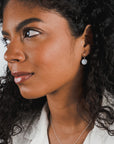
(14, 53)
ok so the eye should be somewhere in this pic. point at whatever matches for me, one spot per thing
(5, 41)
(30, 33)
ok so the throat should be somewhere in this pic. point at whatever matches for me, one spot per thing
(58, 135)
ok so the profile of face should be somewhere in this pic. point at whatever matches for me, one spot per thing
(42, 54)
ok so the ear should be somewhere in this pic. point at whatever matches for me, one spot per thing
(87, 40)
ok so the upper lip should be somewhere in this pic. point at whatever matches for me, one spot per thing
(17, 74)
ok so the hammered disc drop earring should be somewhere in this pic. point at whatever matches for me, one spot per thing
(84, 60)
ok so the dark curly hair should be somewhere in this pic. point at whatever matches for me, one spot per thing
(98, 99)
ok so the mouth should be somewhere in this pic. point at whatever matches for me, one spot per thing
(20, 77)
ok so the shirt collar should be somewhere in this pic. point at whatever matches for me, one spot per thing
(39, 128)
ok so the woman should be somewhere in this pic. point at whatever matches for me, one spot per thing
(59, 85)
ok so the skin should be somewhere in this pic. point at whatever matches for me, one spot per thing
(54, 56)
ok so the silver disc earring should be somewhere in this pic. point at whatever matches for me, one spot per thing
(84, 61)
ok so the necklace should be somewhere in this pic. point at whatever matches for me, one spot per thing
(76, 141)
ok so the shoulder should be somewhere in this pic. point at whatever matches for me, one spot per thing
(99, 136)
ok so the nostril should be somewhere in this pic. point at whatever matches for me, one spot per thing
(14, 60)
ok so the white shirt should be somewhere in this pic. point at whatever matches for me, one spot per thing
(37, 133)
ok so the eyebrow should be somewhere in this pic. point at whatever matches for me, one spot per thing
(5, 33)
(23, 23)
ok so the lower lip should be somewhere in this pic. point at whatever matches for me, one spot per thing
(22, 78)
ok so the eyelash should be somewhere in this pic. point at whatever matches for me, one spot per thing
(28, 31)
(4, 40)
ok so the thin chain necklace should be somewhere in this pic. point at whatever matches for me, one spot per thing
(76, 141)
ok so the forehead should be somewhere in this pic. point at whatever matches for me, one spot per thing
(19, 8)
(15, 12)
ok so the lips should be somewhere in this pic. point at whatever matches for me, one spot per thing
(20, 77)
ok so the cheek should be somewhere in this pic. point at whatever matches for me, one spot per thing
(53, 55)
(48, 53)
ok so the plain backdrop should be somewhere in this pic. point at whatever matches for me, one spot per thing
(3, 63)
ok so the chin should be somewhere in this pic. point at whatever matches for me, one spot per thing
(28, 96)
(31, 94)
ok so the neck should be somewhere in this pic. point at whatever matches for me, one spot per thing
(64, 115)
(63, 105)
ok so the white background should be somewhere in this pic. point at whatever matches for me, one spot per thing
(3, 63)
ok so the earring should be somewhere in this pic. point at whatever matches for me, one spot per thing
(84, 61)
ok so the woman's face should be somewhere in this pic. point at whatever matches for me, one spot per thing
(42, 54)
